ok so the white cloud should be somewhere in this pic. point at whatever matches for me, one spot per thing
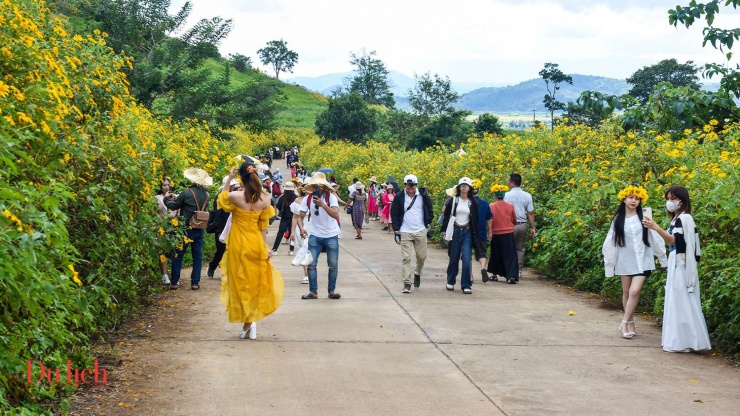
(468, 40)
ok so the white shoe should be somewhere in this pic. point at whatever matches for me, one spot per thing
(305, 280)
(252, 331)
(290, 253)
(165, 279)
(450, 287)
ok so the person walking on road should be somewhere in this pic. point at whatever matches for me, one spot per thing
(251, 289)
(504, 261)
(524, 208)
(684, 326)
(322, 205)
(412, 214)
(286, 217)
(358, 201)
(483, 234)
(195, 198)
(459, 223)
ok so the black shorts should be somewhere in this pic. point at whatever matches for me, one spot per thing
(646, 273)
(481, 249)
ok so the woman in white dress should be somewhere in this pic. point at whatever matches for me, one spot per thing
(295, 235)
(628, 252)
(684, 327)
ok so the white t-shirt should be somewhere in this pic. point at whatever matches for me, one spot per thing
(462, 213)
(413, 218)
(322, 225)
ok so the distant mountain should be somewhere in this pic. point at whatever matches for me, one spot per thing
(527, 96)
(401, 83)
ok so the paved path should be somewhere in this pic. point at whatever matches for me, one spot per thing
(505, 349)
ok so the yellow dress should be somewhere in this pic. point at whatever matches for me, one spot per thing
(250, 288)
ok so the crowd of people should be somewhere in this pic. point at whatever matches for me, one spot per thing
(495, 234)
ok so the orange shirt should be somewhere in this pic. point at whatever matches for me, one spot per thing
(504, 218)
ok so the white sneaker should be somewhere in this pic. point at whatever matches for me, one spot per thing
(165, 279)
(305, 280)
(290, 253)
(450, 287)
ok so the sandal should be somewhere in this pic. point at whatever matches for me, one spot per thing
(625, 335)
(310, 295)
(194, 287)
(628, 327)
(358, 238)
(333, 295)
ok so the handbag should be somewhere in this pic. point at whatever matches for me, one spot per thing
(199, 220)
(299, 257)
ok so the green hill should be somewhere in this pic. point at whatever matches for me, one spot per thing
(301, 107)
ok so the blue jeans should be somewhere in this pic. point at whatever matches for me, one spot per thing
(331, 244)
(197, 251)
(460, 245)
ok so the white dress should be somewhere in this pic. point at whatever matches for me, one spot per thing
(684, 327)
(295, 208)
(635, 257)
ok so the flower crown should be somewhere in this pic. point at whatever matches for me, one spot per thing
(499, 188)
(637, 191)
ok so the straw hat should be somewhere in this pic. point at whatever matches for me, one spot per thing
(372, 179)
(233, 182)
(359, 185)
(290, 186)
(319, 179)
(198, 177)
(451, 191)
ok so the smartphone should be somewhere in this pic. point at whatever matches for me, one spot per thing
(647, 213)
(317, 193)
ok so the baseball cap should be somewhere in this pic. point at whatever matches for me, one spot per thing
(410, 179)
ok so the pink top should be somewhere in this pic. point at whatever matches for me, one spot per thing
(504, 218)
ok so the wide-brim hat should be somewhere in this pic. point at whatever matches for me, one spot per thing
(372, 179)
(359, 185)
(451, 191)
(290, 186)
(233, 182)
(319, 179)
(198, 177)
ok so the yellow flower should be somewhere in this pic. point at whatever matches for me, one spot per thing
(175, 222)
(162, 258)
(4, 89)
(161, 231)
(76, 279)
(637, 191)
(498, 188)
(571, 313)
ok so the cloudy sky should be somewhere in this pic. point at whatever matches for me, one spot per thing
(494, 41)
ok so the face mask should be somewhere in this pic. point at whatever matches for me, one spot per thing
(672, 206)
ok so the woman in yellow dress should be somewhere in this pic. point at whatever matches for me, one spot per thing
(250, 288)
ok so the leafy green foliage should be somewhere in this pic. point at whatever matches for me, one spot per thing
(371, 79)
(645, 80)
(487, 123)
(347, 117)
(277, 55)
(240, 62)
(432, 97)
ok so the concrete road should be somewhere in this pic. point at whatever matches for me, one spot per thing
(505, 349)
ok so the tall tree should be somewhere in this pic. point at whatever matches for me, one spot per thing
(347, 117)
(277, 55)
(553, 75)
(432, 97)
(644, 80)
(371, 79)
(487, 123)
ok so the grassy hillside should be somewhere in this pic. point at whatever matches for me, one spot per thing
(301, 107)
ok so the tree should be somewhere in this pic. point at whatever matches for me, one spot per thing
(241, 63)
(553, 75)
(371, 79)
(432, 97)
(644, 80)
(277, 55)
(487, 123)
(347, 117)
